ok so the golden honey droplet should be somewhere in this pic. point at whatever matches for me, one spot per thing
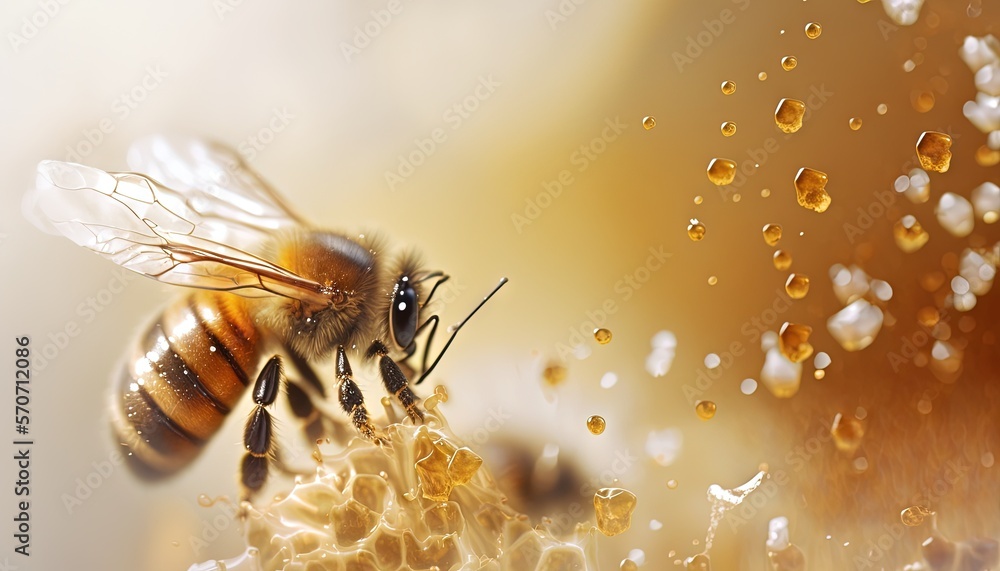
(698, 199)
(922, 101)
(928, 316)
(705, 409)
(205, 501)
(772, 233)
(712, 280)
(728, 87)
(810, 189)
(596, 424)
(648, 122)
(696, 230)
(788, 63)
(813, 30)
(782, 260)
(737, 197)
(788, 115)
(855, 123)
(987, 157)
(554, 374)
(818, 374)
(672, 484)
(797, 286)
(613, 508)
(909, 234)
(934, 151)
(721, 171)
(847, 433)
(915, 515)
(442, 393)
(602, 336)
(765, 192)
(628, 565)
(762, 76)
(793, 341)
(728, 129)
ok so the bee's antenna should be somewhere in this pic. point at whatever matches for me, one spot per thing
(454, 331)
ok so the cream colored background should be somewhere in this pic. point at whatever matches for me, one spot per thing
(224, 76)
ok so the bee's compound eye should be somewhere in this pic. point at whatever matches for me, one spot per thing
(403, 313)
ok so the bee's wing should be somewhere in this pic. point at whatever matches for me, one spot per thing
(216, 183)
(151, 229)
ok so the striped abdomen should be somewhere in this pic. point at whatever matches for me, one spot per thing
(184, 374)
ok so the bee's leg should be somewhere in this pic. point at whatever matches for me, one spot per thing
(395, 381)
(351, 399)
(302, 406)
(258, 434)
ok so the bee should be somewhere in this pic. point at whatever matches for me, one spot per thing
(262, 280)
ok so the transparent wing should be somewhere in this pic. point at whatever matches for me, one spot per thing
(218, 184)
(148, 228)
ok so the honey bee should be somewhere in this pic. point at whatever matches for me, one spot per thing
(263, 280)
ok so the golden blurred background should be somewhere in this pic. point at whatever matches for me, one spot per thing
(541, 171)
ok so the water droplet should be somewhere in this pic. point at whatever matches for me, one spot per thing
(721, 171)
(782, 260)
(596, 424)
(788, 63)
(748, 386)
(810, 189)
(705, 409)
(813, 30)
(855, 326)
(728, 129)
(648, 122)
(672, 484)
(712, 280)
(847, 433)
(613, 508)
(909, 234)
(793, 341)
(772, 233)
(955, 214)
(797, 286)
(934, 151)
(788, 115)
(602, 336)
(609, 380)
(915, 515)
(712, 360)
(554, 374)
(855, 123)
(728, 87)
(696, 230)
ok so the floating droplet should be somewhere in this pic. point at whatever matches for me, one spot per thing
(728, 87)
(596, 424)
(813, 30)
(915, 515)
(762, 76)
(922, 101)
(648, 122)
(205, 501)
(736, 197)
(855, 326)
(788, 63)
(602, 336)
(810, 189)
(728, 129)
(934, 151)
(987, 157)
(882, 109)
(628, 565)
(909, 234)
(765, 192)
(986, 202)
(696, 230)
(788, 115)
(847, 433)
(672, 484)
(698, 199)
(797, 286)
(772, 233)
(822, 360)
(614, 507)
(699, 562)
(554, 374)
(712, 360)
(793, 341)
(855, 123)
(748, 386)
(705, 409)
(819, 374)
(721, 171)
(781, 376)
(955, 214)
(782, 260)
(712, 280)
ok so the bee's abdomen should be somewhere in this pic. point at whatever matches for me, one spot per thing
(183, 376)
